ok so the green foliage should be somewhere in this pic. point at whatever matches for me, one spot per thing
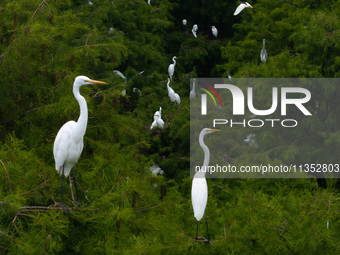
(126, 209)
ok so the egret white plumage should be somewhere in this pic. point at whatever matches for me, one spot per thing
(193, 91)
(263, 54)
(157, 119)
(137, 90)
(241, 7)
(69, 143)
(184, 22)
(214, 31)
(119, 73)
(199, 188)
(171, 68)
(174, 97)
(194, 30)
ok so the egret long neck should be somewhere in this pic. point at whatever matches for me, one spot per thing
(264, 44)
(206, 154)
(82, 120)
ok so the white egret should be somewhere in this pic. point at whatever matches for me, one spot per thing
(137, 90)
(193, 92)
(184, 22)
(229, 77)
(155, 169)
(241, 7)
(263, 54)
(174, 97)
(171, 68)
(214, 31)
(69, 143)
(250, 139)
(119, 73)
(149, 2)
(157, 119)
(199, 188)
(194, 30)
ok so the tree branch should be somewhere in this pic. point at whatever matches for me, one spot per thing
(9, 181)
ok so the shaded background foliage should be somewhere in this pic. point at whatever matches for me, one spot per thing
(44, 45)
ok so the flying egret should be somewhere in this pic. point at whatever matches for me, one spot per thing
(174, 97)
(263, 54)
(157, 119)
(171, 68)
(193, 92)
(214, 31)
(199, 188)
(241, 7)
(194, 30)
(69, 143)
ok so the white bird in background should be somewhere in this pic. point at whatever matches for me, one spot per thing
(263, 54)
(155, 169)
(241, 7)
(69, 143)
(184, 22)
(214, 31)
(171, 68)
(229, 77)
(174, 97)
(251, 141)
(119, 73)
(194, 30)
(193, 92)
(149, 2)
(157, 119)
(137, 90)
(199, 188)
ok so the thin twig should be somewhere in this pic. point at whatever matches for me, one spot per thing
(9, 181)
(39, 186)
(2, 233)
(41, 4)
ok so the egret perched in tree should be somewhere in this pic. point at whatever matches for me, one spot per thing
(137, 90)
(199, 188)
(263, 54)
(241, 7)
(194, 30)
(193, 92)
(184, 22)
(119, 73)
(69, 143)
(171, 68)
(174, 97)
(214, 31)
(157, 119)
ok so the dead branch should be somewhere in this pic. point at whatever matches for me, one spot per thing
(2, 233)
(40, 5)
(9, 181)
(39, 186)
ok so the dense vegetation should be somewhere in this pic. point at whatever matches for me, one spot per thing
(126, 209)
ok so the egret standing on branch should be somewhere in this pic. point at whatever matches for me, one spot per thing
(174, 97)
(263, 54)
(241, 7)
(199, 188)
(214, 31)
(193, 91)
(171, 68)
(194, 30)
(157, 119)
(69, 143)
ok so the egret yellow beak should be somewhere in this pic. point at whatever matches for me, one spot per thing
(214, 130)
(96, 82)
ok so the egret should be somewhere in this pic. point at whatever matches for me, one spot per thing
(69, 143)
(119, 73)
(155, 169)
(137, 90)
(263, 54)
(184, 22)
(214, 31)
(193, 92)
(194, 30)
(251, 141)
(171, 68)
(149, 2)
(174, 97)
(229, 76)
(157, 119)
(241, 7)
(199, 188)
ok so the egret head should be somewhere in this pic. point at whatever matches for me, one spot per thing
(247, 5)
(209, 130)
(83, 80)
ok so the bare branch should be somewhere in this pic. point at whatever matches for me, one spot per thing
(9, 181)
(40, 5)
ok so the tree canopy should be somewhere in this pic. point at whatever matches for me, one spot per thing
(126, 209)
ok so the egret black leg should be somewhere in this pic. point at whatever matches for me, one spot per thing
(75, 185)
(62, 191)
(206, 222)
(197, 230)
